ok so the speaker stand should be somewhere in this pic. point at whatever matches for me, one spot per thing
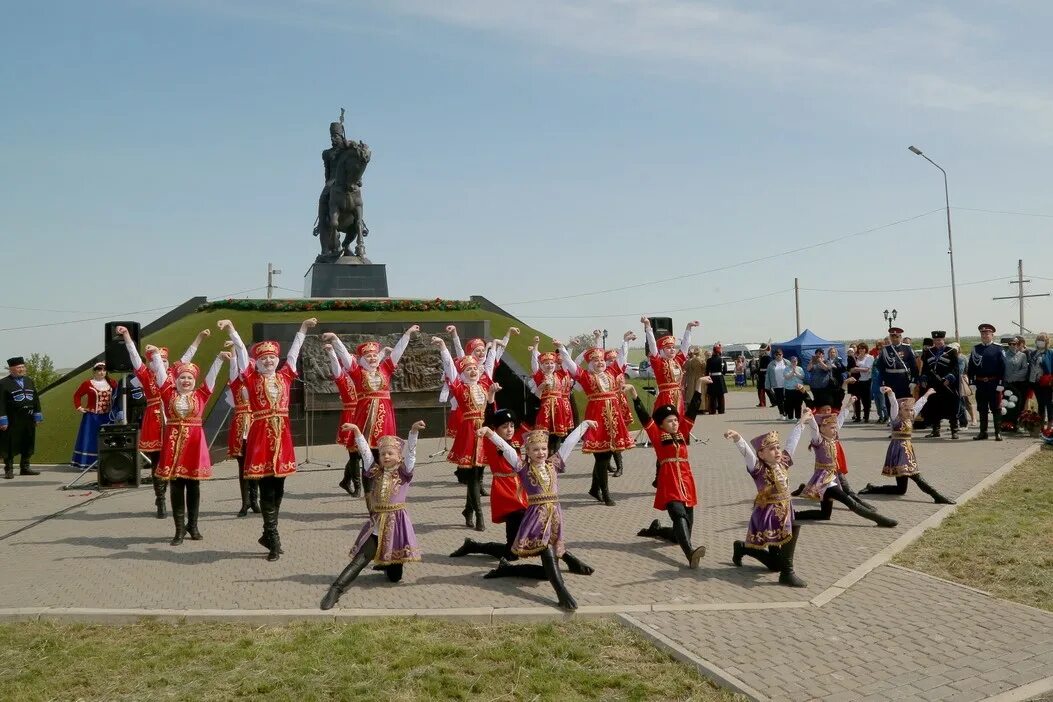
(444, 448)
(308, 432)
(83, 472)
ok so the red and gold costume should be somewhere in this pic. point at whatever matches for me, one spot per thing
(240, 420)
(453, 421)
(669, 375)
(269, 447)
(611, 357)
(99, 400)
(555, 414)
(153, 415)
(184, 448)
(467, 450)
(374, 415)
(611, 434)
(676, 482)
(349, 404)
(506, 492)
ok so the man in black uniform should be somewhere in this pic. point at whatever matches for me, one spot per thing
(19, 416)
(896, 364)
(986, 371)
(939, 367)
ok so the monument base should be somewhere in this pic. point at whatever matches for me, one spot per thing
(348, 276)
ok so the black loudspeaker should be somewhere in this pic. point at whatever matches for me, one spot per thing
(117, 360)
(119, 459)
(662, 326)
(514, 393)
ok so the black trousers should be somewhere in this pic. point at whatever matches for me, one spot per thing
(780, 399)
(186, 498)
(19, 439)
(861, 391)
(944, 405)
(716, 398)
(762, 396)
(987, 401)
(793, 401)
(272, 490)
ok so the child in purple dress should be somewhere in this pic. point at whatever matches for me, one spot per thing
(900, 461)
(772, 536)
(541, 531)
(387, 539)
(827, 482)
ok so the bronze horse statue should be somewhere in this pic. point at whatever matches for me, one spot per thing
(340, 204)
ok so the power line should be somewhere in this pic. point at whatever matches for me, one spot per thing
(730, 265)
(682, 309)
(1005, 212)
(892, 290)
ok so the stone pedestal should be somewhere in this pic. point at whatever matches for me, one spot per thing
(348, 276)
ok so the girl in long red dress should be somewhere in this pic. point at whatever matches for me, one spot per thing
(341, 373)
(610, 434)
(154, 416)
(669, 433)
(553, 386)
(184, 449)
(99, 391)
(237, 432)
(615, 360)
(269, 453)
(667, 362)
(467, 451)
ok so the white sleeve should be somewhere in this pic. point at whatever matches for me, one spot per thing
(400, 348)
(572, 441)
(652, 345)
(157, 366)
(458, 350)
(919, 405)
(685, 341)
(342, 353)
(894, 402)
(409, 452)
(747, 452)
(814, 426)
(133, 354)
(568, 363)
(294, 350)
(534, 365)
(363, 451)
(240, 351)
(233, 370)
(510, 453)
(447, 365)
(213, 373)
(843, 415)
(188, 355)
(795, 438)
(490, 361)
(623, 354)
(334, 364)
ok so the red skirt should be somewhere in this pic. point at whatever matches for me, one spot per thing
(623, 407)
(269, 449)
(676, 483)
(150, 429)
(375, 417)
(555, 416)
(671, 396)
(467, 449)
(611, 434)
(453, 421)
(184, 454)
(343, 437)
(507, 497)
(238, 426)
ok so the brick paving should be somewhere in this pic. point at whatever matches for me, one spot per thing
(111, 553)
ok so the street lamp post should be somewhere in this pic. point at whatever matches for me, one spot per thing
(605, 339)
(890, 317)
(950, 242)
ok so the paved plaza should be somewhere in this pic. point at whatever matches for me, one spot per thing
(861, 630)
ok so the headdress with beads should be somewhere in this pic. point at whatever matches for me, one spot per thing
(536, 436)
(763, 441)
(389, 441)
(265, 348)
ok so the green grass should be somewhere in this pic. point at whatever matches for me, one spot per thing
(392, 659)
(1001, 542)
(56, 435)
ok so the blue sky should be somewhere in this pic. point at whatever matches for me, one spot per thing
(153, 151)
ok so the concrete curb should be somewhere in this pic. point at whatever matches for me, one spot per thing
(1024, 692)
(914, 533)
(705, 668)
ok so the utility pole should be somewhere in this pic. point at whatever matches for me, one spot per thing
(1019, 282)
(797, 302)
(271, 272)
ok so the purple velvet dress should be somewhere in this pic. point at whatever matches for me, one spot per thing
(388, 518)
(771, 523)
(825, 473)
(899, 459)
(542, 525)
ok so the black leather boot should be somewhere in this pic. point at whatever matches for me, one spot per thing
(870, 513)
(26, 470)
(505, 569)
(618, 466)
(480, 473)
(469, 517)
(345, 484)
(682, 534)
(9, 472)
(577, 566)
(551, 566)
(193, 507)
(847, 489)
(931, 491)
(487, 548)
(605, 492)
(179, 517)
(344, 580)
(787, 576)
(160, 487)
(243, 486)
(652, 530)
(764, 556)
(254, 495)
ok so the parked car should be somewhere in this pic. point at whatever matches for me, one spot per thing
(730, 352)
(632, 370)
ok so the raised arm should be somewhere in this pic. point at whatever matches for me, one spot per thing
(240, 352)
(535, 366)
(794, 439)
(448, 368)
(133, 353)
(233, 370)
(744, 448)
(188, 355)
(335, 368)
(920, 404)
(623, 350)
(685, 341)
(573, 438)
(297, 343)
(490, 360)
(843, 414)
(213, 372)
(409, 449)
(500, 351)
(363, 449)
(652, 345)
(455, 339)
(346, 359)
(403, 344)
(157, 366)
(566, 361)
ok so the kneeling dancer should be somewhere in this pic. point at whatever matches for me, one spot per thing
(669, 433)
(827, 483)
(541, 532)
(772, 536)
(184, 450)
(900, 461)
(387, 538)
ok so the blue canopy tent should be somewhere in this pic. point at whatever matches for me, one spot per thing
(806, 344)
